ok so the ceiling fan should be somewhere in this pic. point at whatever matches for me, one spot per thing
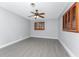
(36, 14)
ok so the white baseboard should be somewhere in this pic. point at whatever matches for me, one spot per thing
(5, 45)
(67, 49)
(45, 37)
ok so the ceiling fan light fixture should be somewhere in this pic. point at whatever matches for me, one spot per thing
(37, 14)
(36, 17)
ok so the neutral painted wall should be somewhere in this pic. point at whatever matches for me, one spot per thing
(69, 40)
(51, 29)
(12, 27)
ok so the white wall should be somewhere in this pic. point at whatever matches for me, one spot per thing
(12, 27)
(51, 29)
(69, 40)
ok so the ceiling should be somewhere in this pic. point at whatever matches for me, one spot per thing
(51, 9)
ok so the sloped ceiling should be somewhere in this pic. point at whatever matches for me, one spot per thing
(52, 9)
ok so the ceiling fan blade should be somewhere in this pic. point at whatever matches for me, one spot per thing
(31, 16)
(41, 13)
(32, 12)
(41, 16)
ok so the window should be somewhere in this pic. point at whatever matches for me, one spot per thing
(39, 26)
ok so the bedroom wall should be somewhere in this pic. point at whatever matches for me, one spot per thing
(12, 27)
(69, 40)
(51, 29)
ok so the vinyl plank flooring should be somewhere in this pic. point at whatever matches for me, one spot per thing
(35, 47)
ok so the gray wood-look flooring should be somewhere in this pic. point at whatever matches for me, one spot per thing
(34, 47)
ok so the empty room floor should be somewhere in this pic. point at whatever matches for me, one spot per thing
(34, 47)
